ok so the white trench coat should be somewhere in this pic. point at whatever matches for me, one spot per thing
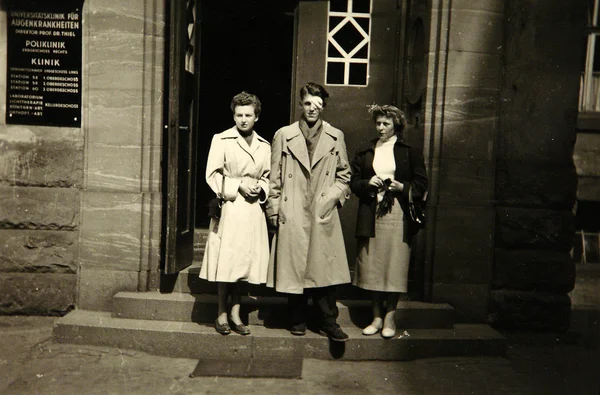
(238, 245)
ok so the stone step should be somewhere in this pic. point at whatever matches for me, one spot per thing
(268, 311)
(199, 341)
(200, 237)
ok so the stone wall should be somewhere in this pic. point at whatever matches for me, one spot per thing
(41, 175)
(535, 177)
(461, 121)
(80, 209)
(121, 200)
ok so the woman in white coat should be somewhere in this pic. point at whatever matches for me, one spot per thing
(237, 248)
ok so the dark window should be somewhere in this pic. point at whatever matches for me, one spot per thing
(362, 6)
(358, 74)
(335, 73)
(338, 5)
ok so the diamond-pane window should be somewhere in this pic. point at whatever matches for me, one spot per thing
(349, 34)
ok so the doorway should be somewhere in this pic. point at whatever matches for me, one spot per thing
(245, 45)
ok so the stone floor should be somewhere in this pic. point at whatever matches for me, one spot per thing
(30, 363)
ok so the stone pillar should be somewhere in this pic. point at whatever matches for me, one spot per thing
(461, 121)
(123, 99)
(535, 176)
(41, 173)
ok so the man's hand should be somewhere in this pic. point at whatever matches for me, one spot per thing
(273, 221)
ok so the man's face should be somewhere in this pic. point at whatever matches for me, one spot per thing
(244, 118)
(312, 107)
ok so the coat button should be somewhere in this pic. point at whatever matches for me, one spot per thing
(332, 153)
(285, 199)
(282, 221)
(327, 173)
(322, 217)
(323, 194)
(289, 175)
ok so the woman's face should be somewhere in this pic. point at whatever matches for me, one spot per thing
(244, 118)
(385, 128)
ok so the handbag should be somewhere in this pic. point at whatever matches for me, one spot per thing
(416, 210)
(215, 204)
(214, 207)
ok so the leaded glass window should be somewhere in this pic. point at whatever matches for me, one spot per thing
(348, 42)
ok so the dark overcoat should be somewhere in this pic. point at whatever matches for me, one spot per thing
(410, 170)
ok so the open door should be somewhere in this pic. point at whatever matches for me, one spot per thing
(182, 88)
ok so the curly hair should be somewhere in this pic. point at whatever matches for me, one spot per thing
(246, 99)
(392, 112)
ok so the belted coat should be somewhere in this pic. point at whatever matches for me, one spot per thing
(238, 243)
(308, 250)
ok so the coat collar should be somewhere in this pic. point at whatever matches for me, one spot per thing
(297, 144)
(232, 133)
(370, 145)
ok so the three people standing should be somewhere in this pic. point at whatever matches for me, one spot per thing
(301, 181)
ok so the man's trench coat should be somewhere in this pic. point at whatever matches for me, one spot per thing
(308, 249)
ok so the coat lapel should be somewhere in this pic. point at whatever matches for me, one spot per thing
(326, 143)
(297, 145)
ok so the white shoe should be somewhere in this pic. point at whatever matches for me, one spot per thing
(388, 333)
(389, 326)
(372, 329)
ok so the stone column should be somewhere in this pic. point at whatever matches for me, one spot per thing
(461, 122)
(123, 96)
(535, 176)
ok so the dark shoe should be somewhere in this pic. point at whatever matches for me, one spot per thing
(334, 332)
(223, 329)
(298, 329)
(241, 329)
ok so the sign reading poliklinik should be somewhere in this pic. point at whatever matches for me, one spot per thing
(44, 63)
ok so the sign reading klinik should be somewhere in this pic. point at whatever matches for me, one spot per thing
(44, 63)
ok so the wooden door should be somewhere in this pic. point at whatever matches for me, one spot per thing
(182, 90)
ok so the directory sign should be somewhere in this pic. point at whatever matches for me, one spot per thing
(43, 84)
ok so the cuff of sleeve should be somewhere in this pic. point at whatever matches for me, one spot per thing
(230, 188)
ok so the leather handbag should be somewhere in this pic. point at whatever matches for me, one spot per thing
(215, 204)
(416, 210)
(214, 207)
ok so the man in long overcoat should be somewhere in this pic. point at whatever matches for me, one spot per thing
(309, 182)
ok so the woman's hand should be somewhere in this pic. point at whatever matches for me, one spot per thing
(376, 182)
(396, 186)
(249, 192)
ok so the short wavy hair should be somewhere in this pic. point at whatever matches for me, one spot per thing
(392, 112)
(246, 99)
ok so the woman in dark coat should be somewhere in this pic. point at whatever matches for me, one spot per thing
(384, 172)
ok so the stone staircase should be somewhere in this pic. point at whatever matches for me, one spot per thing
(180, 324)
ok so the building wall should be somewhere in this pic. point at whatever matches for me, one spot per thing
(536, 180)
(80, 209)
(41, 176)
(119, 246)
